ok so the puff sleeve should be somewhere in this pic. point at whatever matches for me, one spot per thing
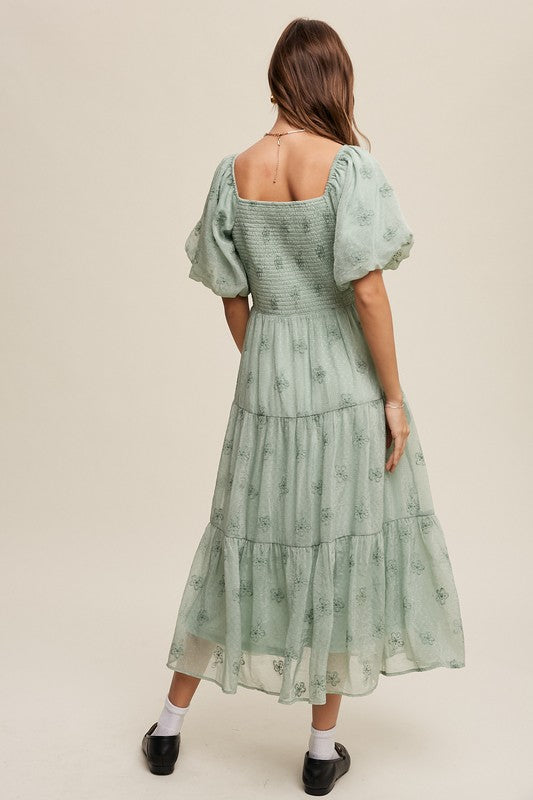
(210, 247)
(370, 230)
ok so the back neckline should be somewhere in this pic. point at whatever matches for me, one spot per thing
(286, 202)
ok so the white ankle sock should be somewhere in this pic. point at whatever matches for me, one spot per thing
(171, 719)
(322, 743)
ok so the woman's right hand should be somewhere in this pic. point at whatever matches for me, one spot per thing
(397, 431)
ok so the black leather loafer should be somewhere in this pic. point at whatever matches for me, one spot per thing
(319, 775)
(161, 751)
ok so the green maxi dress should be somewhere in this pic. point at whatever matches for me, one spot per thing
(318, 570)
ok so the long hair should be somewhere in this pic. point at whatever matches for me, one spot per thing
(312, 80)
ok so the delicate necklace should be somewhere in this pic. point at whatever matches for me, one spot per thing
(279, 135)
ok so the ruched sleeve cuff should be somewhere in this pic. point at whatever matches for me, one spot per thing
(370, 230)
(210, 247)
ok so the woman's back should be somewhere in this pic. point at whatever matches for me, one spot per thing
(303, 170)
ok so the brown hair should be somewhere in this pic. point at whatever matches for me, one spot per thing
(312, 81)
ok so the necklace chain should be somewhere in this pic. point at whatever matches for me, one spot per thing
(279, 135)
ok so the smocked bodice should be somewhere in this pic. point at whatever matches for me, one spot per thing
(288, 252)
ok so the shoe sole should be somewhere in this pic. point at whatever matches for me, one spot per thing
(327, 790)
(155, 770)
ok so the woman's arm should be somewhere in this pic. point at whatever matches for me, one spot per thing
(237, 311)
(373, 309)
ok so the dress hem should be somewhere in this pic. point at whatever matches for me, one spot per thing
(439, 665)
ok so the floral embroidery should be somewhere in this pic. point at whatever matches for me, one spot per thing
(244, 588)
(319, 373)
(300, 452)
(375, 474)
(385, 189)
(441, 595)
(426, 523)
(218, 656)
(318, 681)
(299, 345)
(196, 581)
(361, 365)
(396, 640)
(341, 473)
(257, 632)
(392, 566)
(264, 523)
(299, 581)
(280, 383)
(326, 514)
(302, 527)
(244, 453)
(361, 511)
(291, 654)
(360, 438)
(177, 650)
(377, 555)
(300, 260)
(268, 449)
(299, 688)
(332, 678)
(277, 663)
(361, 595)
(277, 594)
(419, 457)
(426, 637)
(413, 503)
(264, 343)
(283, 487)
(234, 525)
(338, 604)
(333, 333)
(457, 626)
(364, 216)
(406, 603)
(347, 399)
(202, 616)
(417, 566)
(284, 227)
(320, 251)
(236, 665)
(367, 670)
(260, 557)
(390, 232)
(316, 488)
(404, 531)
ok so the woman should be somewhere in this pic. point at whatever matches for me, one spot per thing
(323, 564)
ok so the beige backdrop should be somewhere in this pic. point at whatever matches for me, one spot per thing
(118, 372)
